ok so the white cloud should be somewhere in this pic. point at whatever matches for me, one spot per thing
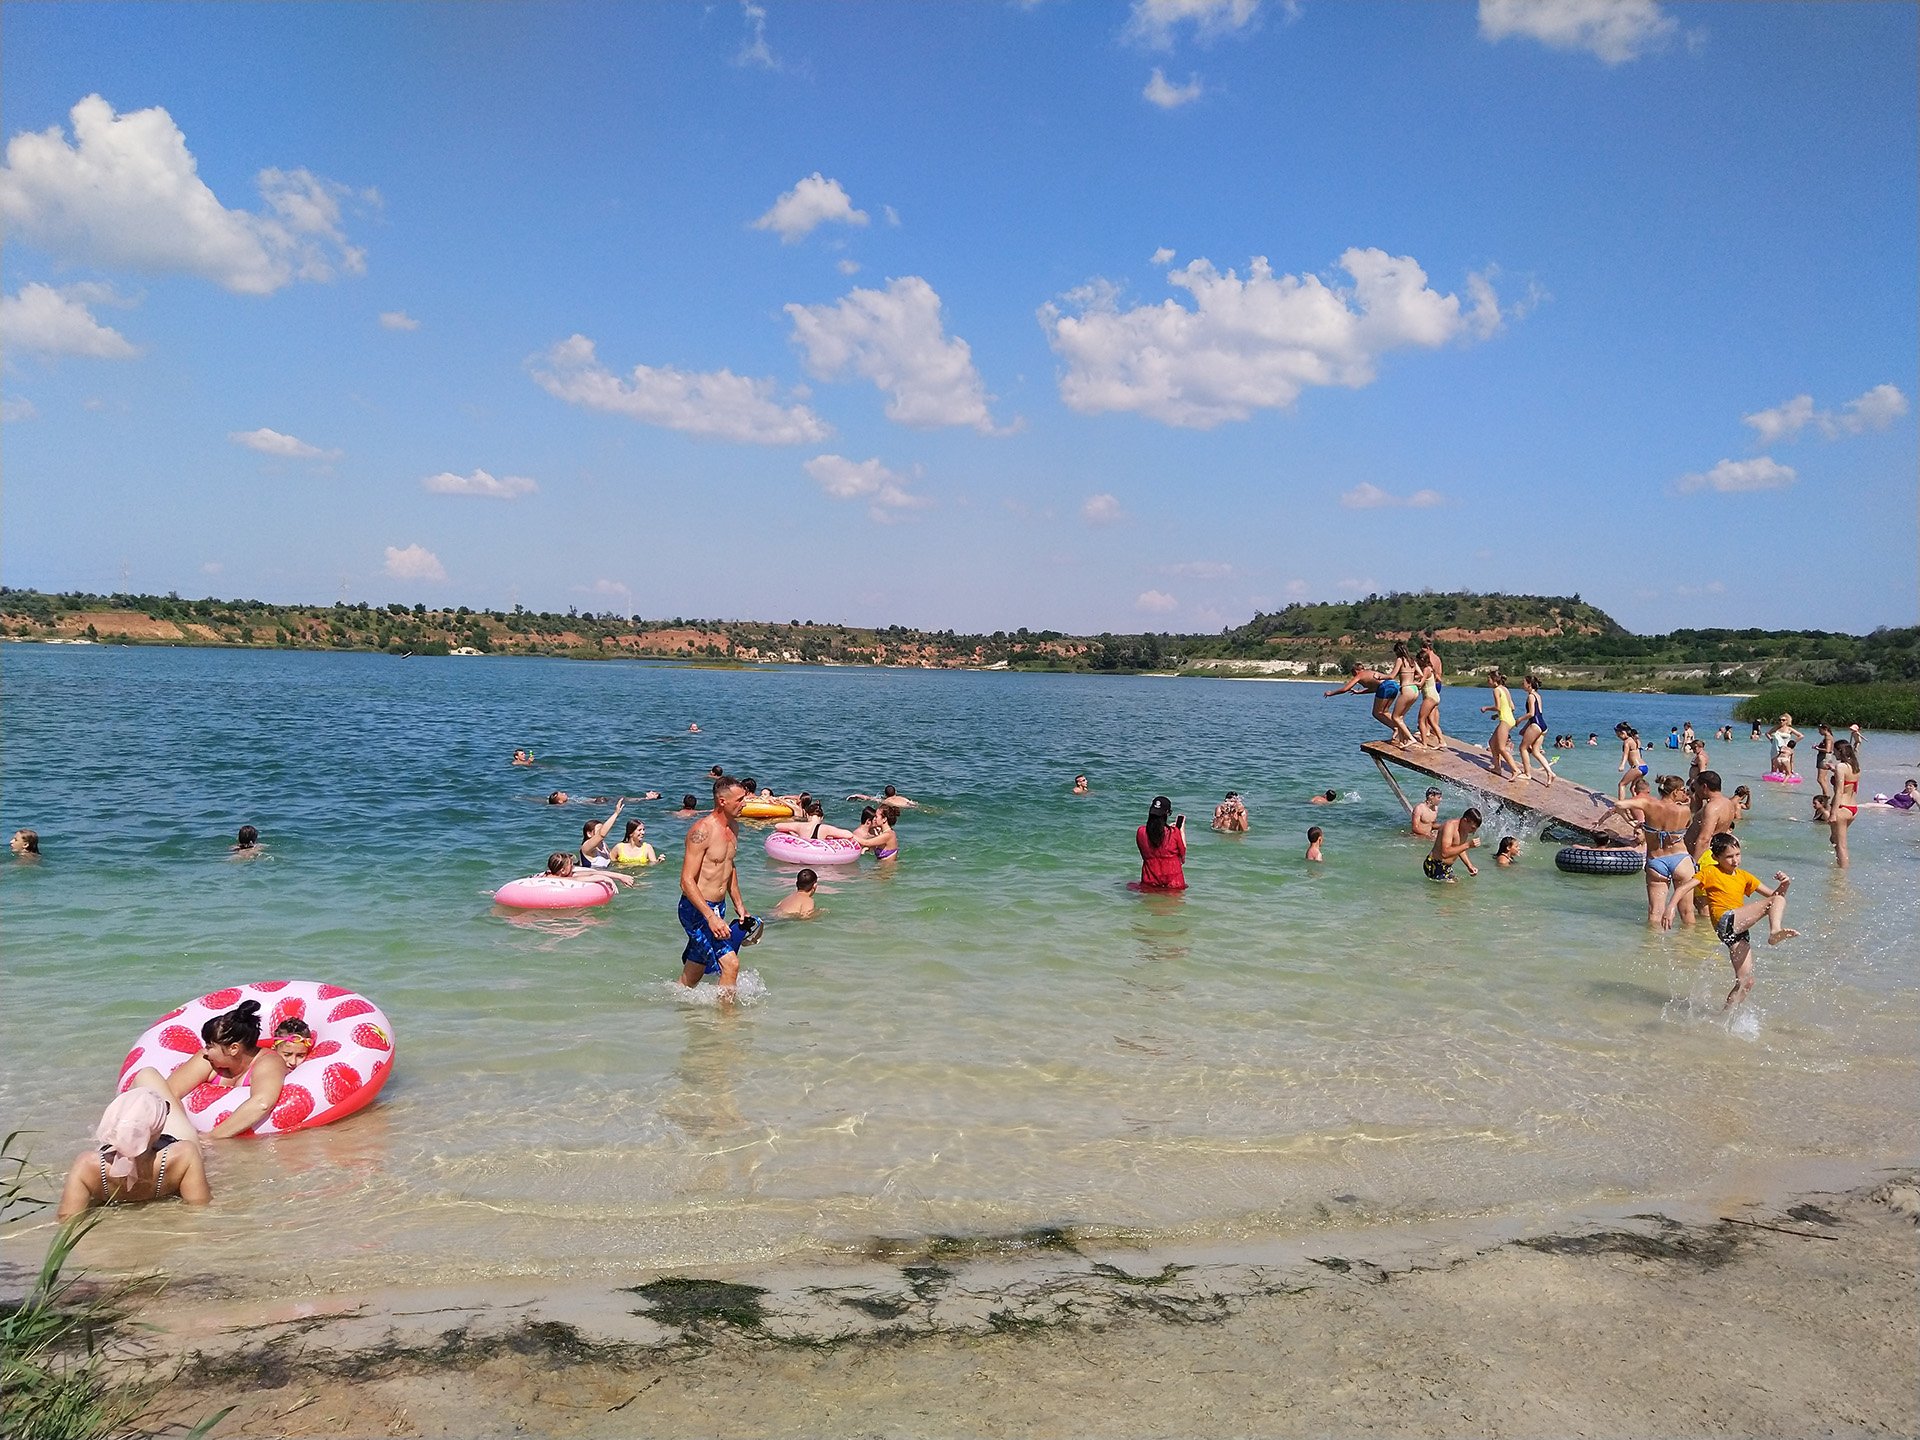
(1251, 344)
(884, 490)
(1166, 94)
(512, 487)
(1875, 410)
(715, 403)
(754, 50)
(1156, 602)
(1296, 589)
(1201, 569)
(283, 447)
(1365, 496)
(814, 201)
(891, 215)
(416, 562)
(13, 410)
(1782, 422)
(847, 267)
(1153, 22)
(212, 567)
(894, 338)
(1736, 476)
(398, 320)
(607, 590)
(1352, 586)
(1162, 256)
(1102, 510)
(128, 195)
(41, 320)
(1614, 30)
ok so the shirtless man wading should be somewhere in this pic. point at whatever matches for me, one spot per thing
(708, 880)
(1426, 816)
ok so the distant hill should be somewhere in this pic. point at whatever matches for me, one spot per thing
(1459, 616)
(1566, 641)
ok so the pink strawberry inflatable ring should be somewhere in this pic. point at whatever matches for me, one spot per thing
(352, 1053)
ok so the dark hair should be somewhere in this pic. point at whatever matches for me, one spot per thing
(248, 835)
(1843, 750)
(716, 772)
(887, 792)
(1710, 779)
(812, 807)
(1331, 794)
(31, 838)
(293, 1026)
(559, 862)
(687, 802)
(632, 825)
(1722, 843)
(746, 783)
(805, 797)
(1400, 649)
(868, 814)
(1472, 817)
(1314, 832)
(1433, 793)
(586, 828)
(1157, 814)
(558, 797)
(889, 813)
(1530, 680)
(1505, 845)
(1497, 676)
(1668, 784)
(805, 880)
(727, 782)
(238, 1026)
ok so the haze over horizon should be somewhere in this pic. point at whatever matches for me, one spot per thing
(1035, 314)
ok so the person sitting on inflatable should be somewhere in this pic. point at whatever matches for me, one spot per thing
(292, 1040)
(146, 1151)
(561, 864)
(233, 1057)
(812, 825)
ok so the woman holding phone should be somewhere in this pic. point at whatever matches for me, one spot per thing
(1163, 846)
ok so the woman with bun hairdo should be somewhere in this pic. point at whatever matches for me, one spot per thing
(232, 1056)
(1163, 846)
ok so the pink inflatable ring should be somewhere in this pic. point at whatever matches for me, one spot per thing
(352, 1053)
(1775, 777)
(798, 850)
(556, 892)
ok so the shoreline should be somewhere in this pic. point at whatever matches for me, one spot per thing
(1778, 1303)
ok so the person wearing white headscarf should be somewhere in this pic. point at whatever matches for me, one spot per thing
(144, 1149)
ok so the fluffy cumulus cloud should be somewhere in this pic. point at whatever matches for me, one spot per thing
(1168, 96)
(815, 201)
(1251, 344)
(1366, 496)
(281, 447)
(1102, 510)
(510, 487)
(1614, 30)
(884, 490)
(895, 338)
(1157, 23)
(41, 320)
(125, 193)
(415, 562)
(1762, 472)
(398, 320)
(1156, 602)
(715, 403)
(1875, 410)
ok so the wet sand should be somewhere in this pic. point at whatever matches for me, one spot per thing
(1792, 1312)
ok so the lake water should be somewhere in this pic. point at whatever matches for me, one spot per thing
(992, 1034)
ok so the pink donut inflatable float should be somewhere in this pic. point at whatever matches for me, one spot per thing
(1777, 778)
(352, 1053)
(555, 892)
(798, 850)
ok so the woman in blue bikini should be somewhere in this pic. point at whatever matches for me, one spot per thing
(1670, 873)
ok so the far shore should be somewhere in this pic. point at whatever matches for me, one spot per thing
(1783, 1304)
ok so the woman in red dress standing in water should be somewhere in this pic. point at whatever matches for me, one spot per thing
(1163, 846)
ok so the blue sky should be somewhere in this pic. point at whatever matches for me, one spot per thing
(1074, 316)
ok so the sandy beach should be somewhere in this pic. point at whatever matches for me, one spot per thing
(1789, 1313)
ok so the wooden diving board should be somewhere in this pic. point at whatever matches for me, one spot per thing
(1573, 807)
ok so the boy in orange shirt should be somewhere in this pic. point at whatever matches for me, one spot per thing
(1725, 886)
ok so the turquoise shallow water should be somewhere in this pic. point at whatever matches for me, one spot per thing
(994, 1036)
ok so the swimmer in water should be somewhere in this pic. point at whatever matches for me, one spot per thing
(1454, 840)
(888, 796)
(593, 840)
(1325, 797)
(1230, 815)
(25, 844)
(799, 905)
(1080, 785)
(876, 832)
(292, 1041)
(1726, 887)
(1314, 835)
(689, 807)
(523, 757)
(1508, 852)
(1425, 819)
(633, 848)
(246, 844)
(558, 797)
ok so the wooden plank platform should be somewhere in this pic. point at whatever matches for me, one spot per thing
(1570, 806)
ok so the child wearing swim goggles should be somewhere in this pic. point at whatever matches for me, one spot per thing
(292, 1041)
